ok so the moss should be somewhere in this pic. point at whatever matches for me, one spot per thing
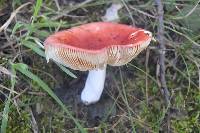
(19, 123)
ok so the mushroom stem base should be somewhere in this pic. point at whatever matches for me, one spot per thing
(94, 86)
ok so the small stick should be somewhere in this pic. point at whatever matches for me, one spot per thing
(161, 63)
(65, 12)
(33, 122)
(162, 50)
(147, 71)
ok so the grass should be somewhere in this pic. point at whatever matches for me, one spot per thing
(7, 104)
(28, 94)
(24, 70)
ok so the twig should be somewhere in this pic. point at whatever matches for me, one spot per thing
(17, 96)
(64, 12)
(33, 122)
(13, 14)
(161, 63)
(36, 93)
(6, 88)
(142, 12)
(162, 48)
(130, 15)
(147, 71)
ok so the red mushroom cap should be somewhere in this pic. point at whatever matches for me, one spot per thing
(95, 45)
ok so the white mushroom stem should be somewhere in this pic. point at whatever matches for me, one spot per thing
(94, 86)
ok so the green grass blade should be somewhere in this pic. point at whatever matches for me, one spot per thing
(37, 7)
(5, 115)
(66, 71)
(23, 68)
(34, 47)
(7, 104)
(17, 26)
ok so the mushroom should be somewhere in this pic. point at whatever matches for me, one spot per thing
(92, 47)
